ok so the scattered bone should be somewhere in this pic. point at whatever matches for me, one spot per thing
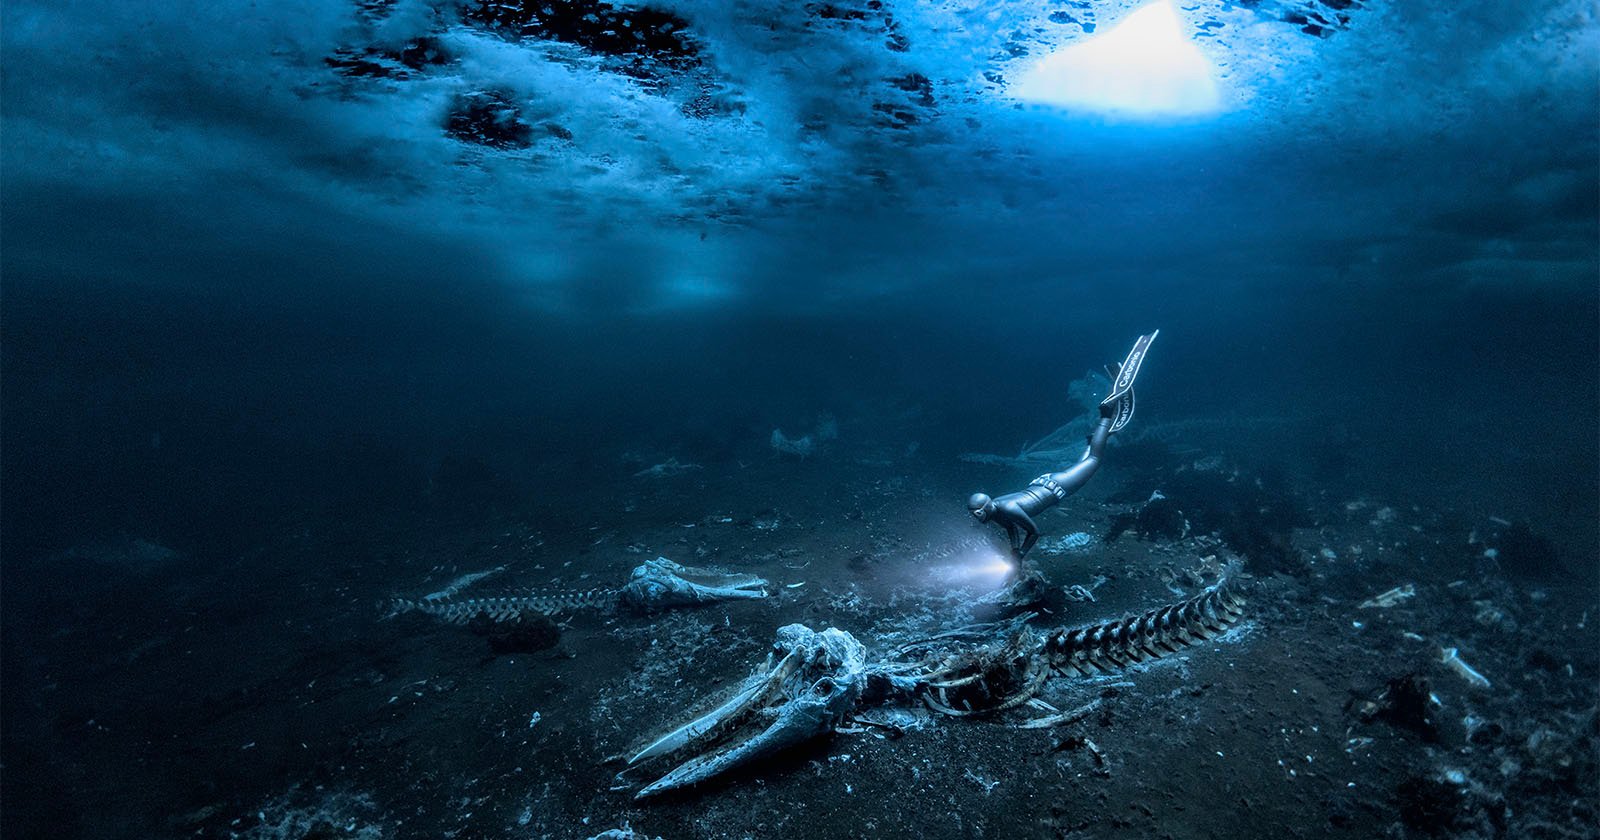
(1078, 593)
(626, 832)
(1064, 718)
(461, 583)
(1385, 600)
(667, 469)
(860, 725)
(1065, 544)
(988, 786)
(1452, 660)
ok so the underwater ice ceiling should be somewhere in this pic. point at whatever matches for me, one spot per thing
(731, 107)
(529, 124)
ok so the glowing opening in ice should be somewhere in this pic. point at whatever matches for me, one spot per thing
(1144, 65)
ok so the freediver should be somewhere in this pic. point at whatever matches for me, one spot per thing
(1015, 511)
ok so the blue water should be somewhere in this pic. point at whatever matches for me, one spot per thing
(323, 300)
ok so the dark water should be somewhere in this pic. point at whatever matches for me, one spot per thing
(285, 337)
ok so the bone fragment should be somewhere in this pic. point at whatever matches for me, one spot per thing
(1452, 660)
(461, 583)
(1388, 599)
(1063, 718)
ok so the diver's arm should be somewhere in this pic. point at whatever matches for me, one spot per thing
(1021, 521)
(1028, 542)
(1011, 535)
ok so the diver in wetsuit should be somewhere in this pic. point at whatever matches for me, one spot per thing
(1015, 511)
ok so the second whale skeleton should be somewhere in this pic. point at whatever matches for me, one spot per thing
(655, 585)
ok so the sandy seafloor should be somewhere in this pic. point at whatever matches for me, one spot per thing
(267, 695)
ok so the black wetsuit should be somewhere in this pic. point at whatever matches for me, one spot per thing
(1015, 511)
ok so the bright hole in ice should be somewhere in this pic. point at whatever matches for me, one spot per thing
(1142, 66)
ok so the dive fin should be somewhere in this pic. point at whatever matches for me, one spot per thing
(1118, 404)
(1122, 412)
(1129, 369)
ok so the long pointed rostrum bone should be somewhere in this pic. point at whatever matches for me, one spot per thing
(708, 726)
(814, 712)
(809, 692)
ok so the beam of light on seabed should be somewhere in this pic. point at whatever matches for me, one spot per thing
(1145, 66)
(983, 567)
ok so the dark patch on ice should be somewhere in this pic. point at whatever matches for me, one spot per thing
(380, 62)
(873, 14)
(489, 118)
(639, 36)
(919, 86)
(1318, 18)
(648, 44)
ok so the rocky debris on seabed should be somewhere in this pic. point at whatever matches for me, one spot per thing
(1254, 515)
(1160, 518)
(626, 832)
(1406, 702)
(312, 814)
(1517, 549)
